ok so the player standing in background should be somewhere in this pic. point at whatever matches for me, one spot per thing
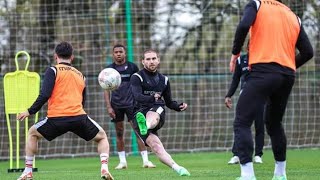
(151, 91)
(239, 75)
(275, 33)
(64, 88)
(121, 103)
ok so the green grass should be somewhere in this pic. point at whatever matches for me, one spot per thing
(301, 164)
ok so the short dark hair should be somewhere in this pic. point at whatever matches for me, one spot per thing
(119, 45)
(64, 50)
(149, 51)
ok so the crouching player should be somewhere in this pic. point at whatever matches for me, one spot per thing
(64, 89)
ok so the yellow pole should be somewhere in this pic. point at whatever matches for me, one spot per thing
(10, 141)
(17, 144)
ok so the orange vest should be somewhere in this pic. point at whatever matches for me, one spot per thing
(274, 34)
(66, 97)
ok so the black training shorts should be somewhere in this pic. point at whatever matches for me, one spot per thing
(81, 125)
(120, 112)
(156, 108)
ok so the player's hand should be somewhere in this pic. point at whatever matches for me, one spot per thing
(183, 106)
(157, 96)
(23, 115)
(111, 112)
(233, 61)
(228, 102)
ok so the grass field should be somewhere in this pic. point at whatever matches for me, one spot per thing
(301, 164)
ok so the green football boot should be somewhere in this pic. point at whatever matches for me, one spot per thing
(183, 172)
(141, 119)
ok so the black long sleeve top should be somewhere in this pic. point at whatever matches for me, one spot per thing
(145, 84)
(241, 70)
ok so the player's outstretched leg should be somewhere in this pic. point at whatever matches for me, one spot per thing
(105, 174)
(103, 148)
(31, 149)
(141, 119)
(27, 173)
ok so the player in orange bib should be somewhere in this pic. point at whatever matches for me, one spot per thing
(63, 88)
(275, 33)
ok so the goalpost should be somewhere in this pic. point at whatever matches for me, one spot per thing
(194, 39)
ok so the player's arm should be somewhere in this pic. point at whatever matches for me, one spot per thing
(45, 94)
(107, 98)
(136, 88)
(84, 92)
(108, 104)
(305, 48)
(249, 16)
(233, 86)
(169, 102)
(235, 81)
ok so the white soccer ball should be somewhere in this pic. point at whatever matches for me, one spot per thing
(109, 79)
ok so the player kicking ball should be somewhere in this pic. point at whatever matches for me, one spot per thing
(151, 91)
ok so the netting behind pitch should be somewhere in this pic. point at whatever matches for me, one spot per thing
(194, 38)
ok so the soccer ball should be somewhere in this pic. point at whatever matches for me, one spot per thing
(109, 79)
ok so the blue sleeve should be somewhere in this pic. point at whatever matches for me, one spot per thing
(46, 91)
(249, 16)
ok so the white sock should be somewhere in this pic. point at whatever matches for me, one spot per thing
(104, 158)
(144, 155)
(122, 156)
(247, 169)
(175, 167)
(29, 164)
(148, 124)
(280, 168)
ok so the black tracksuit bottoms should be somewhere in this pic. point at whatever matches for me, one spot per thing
(259, 133)
(260, 87)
